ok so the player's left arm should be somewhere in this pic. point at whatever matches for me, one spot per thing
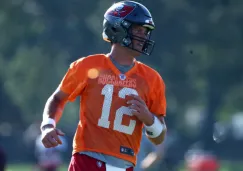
(155, 125)
(160, 138)
(152, 112)
(157, 106)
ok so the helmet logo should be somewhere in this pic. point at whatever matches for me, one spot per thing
(120, 10)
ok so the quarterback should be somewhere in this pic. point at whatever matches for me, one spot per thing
(119, 96)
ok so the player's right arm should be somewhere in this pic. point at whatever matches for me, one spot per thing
(55, 105)
(71, 86)
(53, 111)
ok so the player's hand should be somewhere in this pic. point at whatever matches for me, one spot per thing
(140, 110)
(50, 137)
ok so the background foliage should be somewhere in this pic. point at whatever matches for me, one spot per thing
(199, 47)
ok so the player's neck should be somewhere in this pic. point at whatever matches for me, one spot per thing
(121, 56)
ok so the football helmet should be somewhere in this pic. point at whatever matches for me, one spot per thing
(118, 20)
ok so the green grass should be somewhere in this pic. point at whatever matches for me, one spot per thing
(226, 166)
(28, 167)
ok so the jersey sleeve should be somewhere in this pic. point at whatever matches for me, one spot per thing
(75, 80)
(157, 102)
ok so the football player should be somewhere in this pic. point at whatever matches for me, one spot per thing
(120, 96)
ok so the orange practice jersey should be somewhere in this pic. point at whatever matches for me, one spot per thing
(106, 124)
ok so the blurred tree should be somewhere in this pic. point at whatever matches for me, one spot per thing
(198, 52)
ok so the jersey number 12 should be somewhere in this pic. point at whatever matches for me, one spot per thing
(104, 122)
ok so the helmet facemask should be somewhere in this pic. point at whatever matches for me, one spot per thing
(146, 43)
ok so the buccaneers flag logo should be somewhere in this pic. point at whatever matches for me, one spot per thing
(121, 10)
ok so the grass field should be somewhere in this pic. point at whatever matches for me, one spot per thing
(227, 166)
(27, 167)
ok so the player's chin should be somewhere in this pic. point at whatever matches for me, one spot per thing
(136, 52)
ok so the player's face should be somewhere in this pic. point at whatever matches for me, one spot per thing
(140, 34)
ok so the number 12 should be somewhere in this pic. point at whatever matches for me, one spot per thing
(104, 122)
